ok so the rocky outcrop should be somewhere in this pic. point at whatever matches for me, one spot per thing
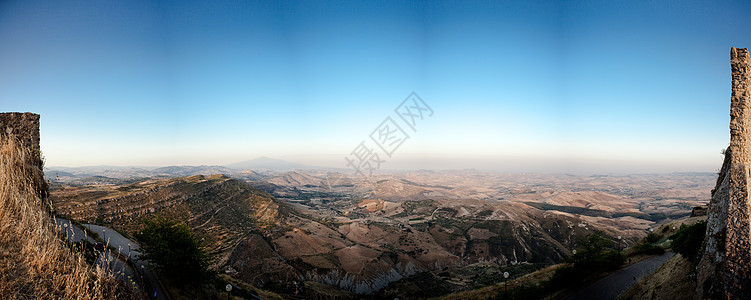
(699, 211)
(724, 270)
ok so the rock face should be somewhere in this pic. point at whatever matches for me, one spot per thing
(25, 127)
(724, 270)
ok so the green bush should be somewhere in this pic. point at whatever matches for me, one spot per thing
(689, 239)
(533, 291)
(171, 248)
(647, 248)
(610, 260)
(652, 238)
(596, 254)
(567, 277)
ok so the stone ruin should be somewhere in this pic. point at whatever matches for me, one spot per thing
(724, 271)
(25, 127)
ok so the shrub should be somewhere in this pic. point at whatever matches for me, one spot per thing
(647, 248)
(171, 248)
(652, 237)
(610, 260)
(596, 254)
(689, 239)
(566, 277)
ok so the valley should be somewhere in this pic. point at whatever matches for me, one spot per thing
(399, 234)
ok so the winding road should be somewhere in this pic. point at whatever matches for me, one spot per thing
(108, 260)
(72, 231)
(128, 248)
(617, 283)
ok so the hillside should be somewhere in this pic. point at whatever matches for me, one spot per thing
(34, 264)
(221, 210)
(351, 244)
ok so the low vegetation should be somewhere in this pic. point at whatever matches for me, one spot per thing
(648, 246)
(594, 256)
(34, 262)
(676, 278)
(688, 241)
(171, 248)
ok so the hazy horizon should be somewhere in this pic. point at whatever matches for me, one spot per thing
(410, 163)
(548, 86)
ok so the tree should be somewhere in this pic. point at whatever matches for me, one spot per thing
(689, 239)
(596, 254)
(170, 247)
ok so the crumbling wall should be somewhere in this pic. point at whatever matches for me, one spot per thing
(725, 269)
(25, 127)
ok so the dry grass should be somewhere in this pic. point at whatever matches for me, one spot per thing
(34, 262)
(491, 292)
(672, 280)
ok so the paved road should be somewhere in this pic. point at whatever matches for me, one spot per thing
(111, 263)
(73, 232)
(615, 284)
(107, 260)
(128, 248)
(115, 239)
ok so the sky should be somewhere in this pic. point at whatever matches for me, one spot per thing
(548, 86)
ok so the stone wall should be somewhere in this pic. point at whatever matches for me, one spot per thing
(725, 269)
(25, 127)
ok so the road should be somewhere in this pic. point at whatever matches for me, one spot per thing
(72, 231)
(122, 271)
(128, 248)
(617, 283)
(107, 260)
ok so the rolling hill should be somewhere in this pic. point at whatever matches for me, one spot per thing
(362, 247)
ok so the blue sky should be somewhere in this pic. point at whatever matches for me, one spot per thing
(564, 86)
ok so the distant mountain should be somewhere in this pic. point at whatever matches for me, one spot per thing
(106, 171)
(238, 170)
(182, 171)
(97, 173)
(99, 180)
(267, 163)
